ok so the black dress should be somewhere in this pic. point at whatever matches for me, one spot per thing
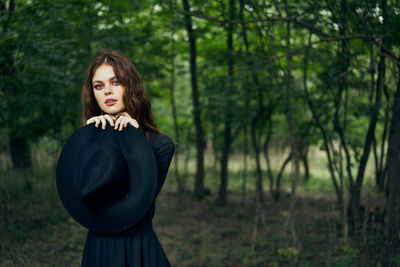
(138, 246)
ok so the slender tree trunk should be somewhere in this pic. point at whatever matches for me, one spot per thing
(393, 204)
(289, 223)
(254, 121)
(342, 88)
(339, 126)
(355, 189)
(216, 150)
(222, 196)
(222, 193)
(371, 94)
(266, 153)
(245, 153)
(383, 156)
(382, 162)
(259, 180)
(304, 159)
(186, 155)
(20, 152)
(199, 190)
(247, 100)
(277, 193)
(355, 192)
(173, 107)
(317, 119)
(376, 158)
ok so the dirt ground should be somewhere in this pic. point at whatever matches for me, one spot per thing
(201, 233)
(35, 230)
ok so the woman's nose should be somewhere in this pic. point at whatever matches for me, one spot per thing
(107, 90)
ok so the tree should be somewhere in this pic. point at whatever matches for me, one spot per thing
(199, 180)
(393, 222)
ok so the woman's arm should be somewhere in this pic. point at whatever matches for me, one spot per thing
(164, 149)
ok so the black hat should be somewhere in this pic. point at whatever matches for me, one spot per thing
(107, 179)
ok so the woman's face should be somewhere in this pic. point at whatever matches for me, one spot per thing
(107, 90)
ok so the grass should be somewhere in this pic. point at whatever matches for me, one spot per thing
(35, 230)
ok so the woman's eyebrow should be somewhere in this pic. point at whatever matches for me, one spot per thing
(110, 79)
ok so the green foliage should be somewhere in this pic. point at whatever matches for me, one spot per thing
(48, 44)
(350, 255)
(286, 256)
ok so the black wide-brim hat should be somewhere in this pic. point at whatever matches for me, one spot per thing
(107, 179)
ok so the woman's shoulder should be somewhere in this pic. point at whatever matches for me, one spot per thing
(161, 143)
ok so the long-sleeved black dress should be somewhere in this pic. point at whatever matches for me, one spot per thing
(139, 245)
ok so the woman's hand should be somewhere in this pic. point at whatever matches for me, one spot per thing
(101, 119)
(118, 121)
(122, 120)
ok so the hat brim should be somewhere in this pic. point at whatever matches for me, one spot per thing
(142, 178)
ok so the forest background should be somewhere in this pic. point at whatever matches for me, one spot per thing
(285, 114)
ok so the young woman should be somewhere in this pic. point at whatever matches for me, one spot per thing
(113, 96)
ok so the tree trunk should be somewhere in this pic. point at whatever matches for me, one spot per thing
(199, 190)
(259, 180)
(381, 175)
(355, 189)
(222, 193)
(20, 152)
(246, 100)
(393, 204)
(173, 108)
(317, 119)
(222, 196)
(289, 223)
(304, 159)
(245, 153)
(254, 121)
(2, 5)
(380, 179)
(342, 88)
(266, 153)
(279, 177)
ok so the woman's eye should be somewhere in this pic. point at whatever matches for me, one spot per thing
(115, 83)
(98, 86)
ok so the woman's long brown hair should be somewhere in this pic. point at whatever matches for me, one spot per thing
(136, 101)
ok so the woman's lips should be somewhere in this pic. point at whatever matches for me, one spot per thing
(111, 102)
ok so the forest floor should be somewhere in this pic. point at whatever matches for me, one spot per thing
(35, 230)
(201, 233)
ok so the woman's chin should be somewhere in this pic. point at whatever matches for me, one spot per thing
(111, 111)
